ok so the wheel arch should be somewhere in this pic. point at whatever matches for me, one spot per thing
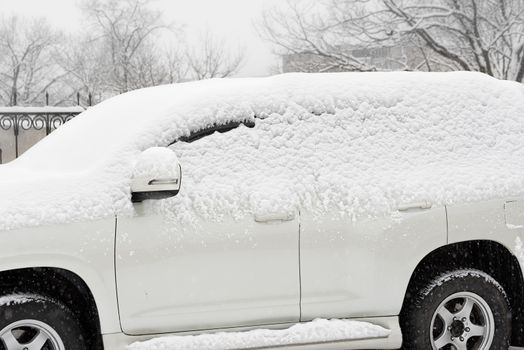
(59, 284)
(488, 256)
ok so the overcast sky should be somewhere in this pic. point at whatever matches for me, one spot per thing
(229, 19)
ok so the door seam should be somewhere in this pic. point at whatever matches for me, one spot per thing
(299, 267)
(447, 224)
(115, 272)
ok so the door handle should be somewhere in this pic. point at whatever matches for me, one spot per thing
(274, 217)
(416, 205)
(163, 182)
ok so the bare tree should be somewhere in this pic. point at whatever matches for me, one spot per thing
(27, 68)
(126, 29)
(154, 67)
(475, 35)
(118, 51)
(322, 39)
(176, 65)
(87, 64)
(212, 59)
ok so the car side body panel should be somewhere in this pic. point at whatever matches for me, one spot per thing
(362, 268)
(85, 249)
(495, 220)
(346, 266)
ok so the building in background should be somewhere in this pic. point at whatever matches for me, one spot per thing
(394, 58)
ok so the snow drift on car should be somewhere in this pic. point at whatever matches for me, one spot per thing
(372, 142)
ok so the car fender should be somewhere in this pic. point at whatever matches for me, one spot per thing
(85, 249)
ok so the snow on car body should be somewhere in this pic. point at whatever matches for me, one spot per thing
(320, 193)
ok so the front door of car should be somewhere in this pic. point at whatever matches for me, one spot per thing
(179, 271)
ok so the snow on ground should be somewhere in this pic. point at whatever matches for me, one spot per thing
(317, 331)
(359, 144)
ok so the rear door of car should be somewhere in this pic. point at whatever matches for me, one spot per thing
(361, 268)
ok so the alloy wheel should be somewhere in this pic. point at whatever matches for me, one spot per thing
(463, 321)
(30, 335)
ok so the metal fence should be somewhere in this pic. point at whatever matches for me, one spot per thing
(22, 127)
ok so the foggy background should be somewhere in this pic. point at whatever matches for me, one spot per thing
(64, 52)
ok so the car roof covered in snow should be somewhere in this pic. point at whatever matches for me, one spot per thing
(468, 123)
(155, 116)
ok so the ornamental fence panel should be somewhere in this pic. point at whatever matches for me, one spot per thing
(22, 127)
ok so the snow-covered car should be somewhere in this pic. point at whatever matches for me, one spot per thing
(363, 210)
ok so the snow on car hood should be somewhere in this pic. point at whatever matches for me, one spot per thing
(440, 137)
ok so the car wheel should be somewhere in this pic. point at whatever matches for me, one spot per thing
(33, 322)
(460, 310)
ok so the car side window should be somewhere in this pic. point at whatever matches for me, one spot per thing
(221, 128)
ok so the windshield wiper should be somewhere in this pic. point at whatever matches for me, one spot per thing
(221, 128)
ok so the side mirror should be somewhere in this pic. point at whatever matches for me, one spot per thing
(157, 175)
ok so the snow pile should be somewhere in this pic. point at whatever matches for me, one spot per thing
(367, 155)
(360, 144)
(317, 331)
(155, 163)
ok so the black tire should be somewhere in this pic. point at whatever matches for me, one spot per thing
(54, 314)
(421, 305)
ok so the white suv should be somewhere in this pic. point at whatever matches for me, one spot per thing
(391, 198)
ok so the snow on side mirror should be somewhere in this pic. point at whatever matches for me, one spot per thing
(157, 175)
